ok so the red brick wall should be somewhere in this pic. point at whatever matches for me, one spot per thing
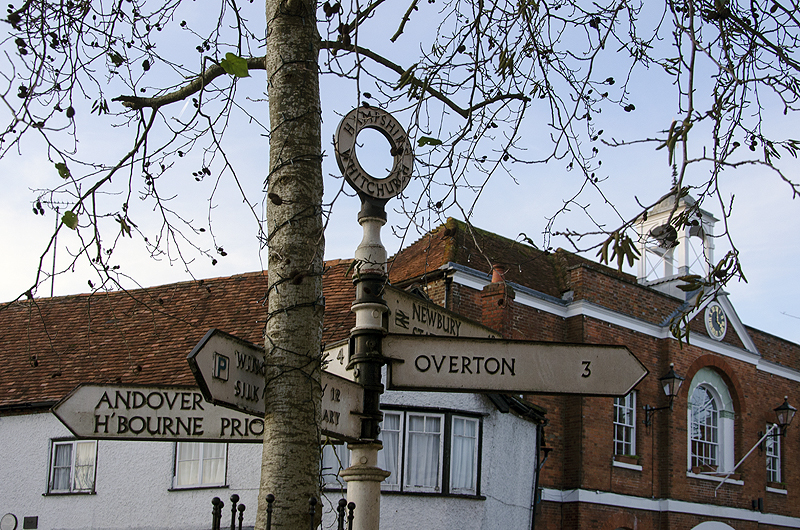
(580, 430)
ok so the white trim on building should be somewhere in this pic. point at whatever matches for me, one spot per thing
(617, 500)
(525, 296)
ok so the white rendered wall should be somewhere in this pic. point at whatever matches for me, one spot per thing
(132, 483)
(507, 473)
(134, 479)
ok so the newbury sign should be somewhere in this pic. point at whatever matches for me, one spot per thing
(345, 148)
(408, 314)
(152, 413)
(231, 373)
(494, 365)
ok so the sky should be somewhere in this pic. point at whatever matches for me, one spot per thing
(764, 222)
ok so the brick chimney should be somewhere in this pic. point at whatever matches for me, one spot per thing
(496, 301)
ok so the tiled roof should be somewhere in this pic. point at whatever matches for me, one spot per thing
(48, 346)
(457, 242)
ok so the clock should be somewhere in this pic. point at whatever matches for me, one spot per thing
(716, 321)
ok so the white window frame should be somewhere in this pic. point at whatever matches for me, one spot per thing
(397, 481)
(72, 487)
(711, 381)
(473, 489)
(436, 488)
(625, 408)
(772, 450)
(393, 482)
(704, 433)
(202, 460)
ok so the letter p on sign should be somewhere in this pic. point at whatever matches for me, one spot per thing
(221, 363)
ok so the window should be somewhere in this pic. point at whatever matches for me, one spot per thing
(72, 466)
(334, 459)
(464, 455)
(773, 452)
(389, 456)
(704, 429)
(710, 420)
(423, 455)
(625, 425)
(430, 452)
(200, 464)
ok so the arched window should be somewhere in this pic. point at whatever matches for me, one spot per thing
(710, 420)
(704, 428)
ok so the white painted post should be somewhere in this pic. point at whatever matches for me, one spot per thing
(364, 479)
(363, 476)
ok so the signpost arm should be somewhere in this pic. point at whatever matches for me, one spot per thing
(363, 477)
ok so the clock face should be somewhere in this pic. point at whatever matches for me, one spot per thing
(716, 321)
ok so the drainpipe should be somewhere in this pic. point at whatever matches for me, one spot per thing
(537, 472)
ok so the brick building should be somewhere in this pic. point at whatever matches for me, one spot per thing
(608, 463)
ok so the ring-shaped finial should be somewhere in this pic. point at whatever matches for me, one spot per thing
(345, 146)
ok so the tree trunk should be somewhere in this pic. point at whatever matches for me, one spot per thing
(290, 459)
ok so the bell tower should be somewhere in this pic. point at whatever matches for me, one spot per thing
(674, 240)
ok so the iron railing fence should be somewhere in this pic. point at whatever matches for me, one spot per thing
(344, 513)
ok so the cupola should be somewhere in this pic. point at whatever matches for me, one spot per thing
(676, 238)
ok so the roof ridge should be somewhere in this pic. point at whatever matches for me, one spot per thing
(200, 281)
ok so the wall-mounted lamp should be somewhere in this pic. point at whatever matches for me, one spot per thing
(784, 414)
(671, 383)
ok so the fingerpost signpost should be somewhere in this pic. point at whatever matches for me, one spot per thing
(427, 348)
(419, 361)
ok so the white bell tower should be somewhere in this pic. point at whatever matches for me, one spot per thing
(668, 251)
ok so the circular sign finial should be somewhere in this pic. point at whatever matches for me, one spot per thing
(345, 146)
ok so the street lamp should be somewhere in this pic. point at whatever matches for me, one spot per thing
(671, 383)
(785, 414)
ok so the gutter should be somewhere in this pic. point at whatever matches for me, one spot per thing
(24, 408)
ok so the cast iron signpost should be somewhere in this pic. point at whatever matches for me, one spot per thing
(430, 363)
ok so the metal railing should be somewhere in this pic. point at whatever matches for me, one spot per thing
(344, 512)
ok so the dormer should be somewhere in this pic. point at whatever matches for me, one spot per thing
(674, 240)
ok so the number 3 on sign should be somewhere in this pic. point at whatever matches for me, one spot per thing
(586, 370)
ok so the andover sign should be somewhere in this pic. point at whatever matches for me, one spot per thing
(515, 366)
(152, 413)
(231, 373)
(345, 147)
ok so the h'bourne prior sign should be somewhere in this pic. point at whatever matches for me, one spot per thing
(152, 413)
